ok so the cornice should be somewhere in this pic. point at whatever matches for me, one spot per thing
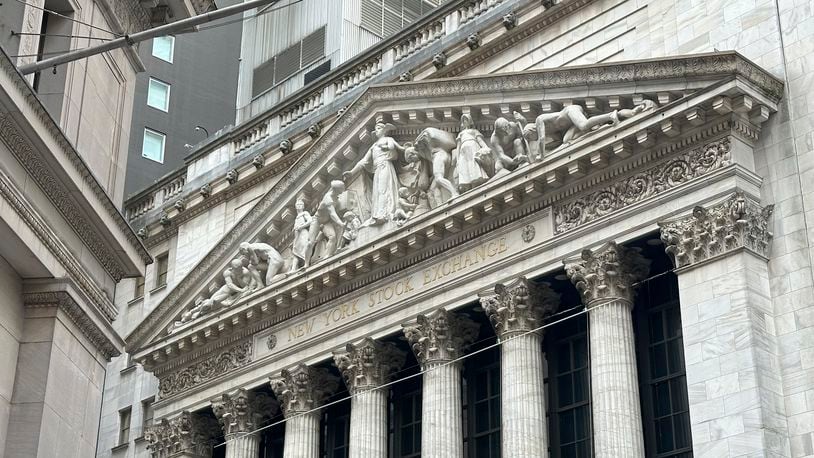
(79, 317)
(719, 65)
(54, 189)
(43, 231)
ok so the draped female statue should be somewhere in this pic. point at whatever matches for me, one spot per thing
(380, 162)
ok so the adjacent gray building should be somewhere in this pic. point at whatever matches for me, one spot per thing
(190, 80)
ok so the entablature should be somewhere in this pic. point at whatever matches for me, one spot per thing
(704, 114)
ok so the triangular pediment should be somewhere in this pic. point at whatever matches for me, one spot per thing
(632, 106)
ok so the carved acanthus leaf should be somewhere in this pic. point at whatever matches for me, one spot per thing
(440, 336)
(737, 222)
(607, 273)
(189, 433)
(519, 306)
(303, 388)
(243, 411)
(368, 364)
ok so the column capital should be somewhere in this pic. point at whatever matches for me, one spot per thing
(519, 306)
(607, 272)
(440, 336)
(736, 222)
(368, 364)
(303, 388)
(188, 433)
(242, 411)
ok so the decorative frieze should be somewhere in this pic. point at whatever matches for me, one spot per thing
(519, 306)
(205, 370)
(607, 273)
(642, 185)
(368, 364)
(243, 411)
(189, 433)
(303, 388)
(737, 222)
(440, 336)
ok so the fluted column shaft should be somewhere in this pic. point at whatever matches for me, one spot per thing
(243, 446)
(614, 381)
(302, 436)
(441, 419)
(523, 430)
(368, 424)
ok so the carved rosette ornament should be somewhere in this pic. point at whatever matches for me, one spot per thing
(303, 388)
(189, 433)
(607, 273)
(737, 222)
(440, 336)
(368, 364)
(519, 306)
(243, 411)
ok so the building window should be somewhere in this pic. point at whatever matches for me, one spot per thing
(153, 146)
(158, 95)
(124, 426)
(139, 288)
(482, 412)
(164, 47)
(569, 399)
(665, 406)
(406, 405)
(147, 414)
(161, 267)
(336, 421)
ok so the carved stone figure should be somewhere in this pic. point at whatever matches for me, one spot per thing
(408, 202)
(326, 224)
(352, 225)
(473, 152)
(509, 147)
(299, 248)
(433, 146)
(572, 123)
(237, 279)
(380, 162)
(264, 258)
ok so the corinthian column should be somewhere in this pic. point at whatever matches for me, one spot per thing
(436, 340)
(515, 310)
(240, 414)
(300, 391)
(365, 366)
(604, 279)
(188, 435)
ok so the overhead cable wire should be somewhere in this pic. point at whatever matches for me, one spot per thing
(264, 11)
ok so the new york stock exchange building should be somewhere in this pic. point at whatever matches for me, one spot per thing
(484, 253)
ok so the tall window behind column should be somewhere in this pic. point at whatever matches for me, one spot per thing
(405, 412)
(660, 356)
(482, 408)
(569, 395)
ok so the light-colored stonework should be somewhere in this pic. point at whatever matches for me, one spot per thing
(711, 143)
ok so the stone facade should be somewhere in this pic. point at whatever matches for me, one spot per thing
(604, 180)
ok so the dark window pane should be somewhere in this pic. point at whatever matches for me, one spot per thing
(661, 399)
(673, 321)
(656, 330)
(664, 435)
(568, 451)
(581, 386)
(580, 353)
(563, 358)
(564, 391)
(678, 393)
(567, 427)
(674, 353)
(681, 423)
(658, 361)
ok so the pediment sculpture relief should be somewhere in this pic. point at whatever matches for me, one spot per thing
(393, 182)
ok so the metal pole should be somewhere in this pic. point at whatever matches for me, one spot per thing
(129, 40)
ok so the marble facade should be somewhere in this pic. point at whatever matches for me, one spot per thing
(697, 167)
